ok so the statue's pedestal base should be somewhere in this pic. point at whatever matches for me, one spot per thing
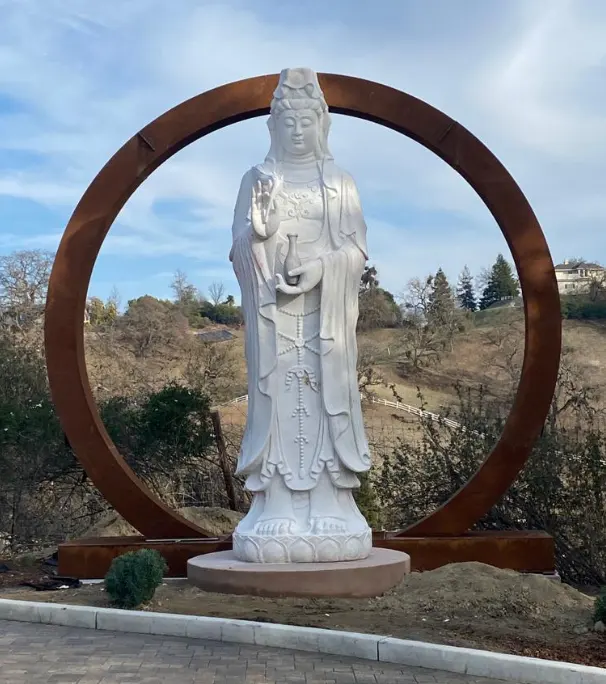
(222, 572)
(302, 549)
(523, 551)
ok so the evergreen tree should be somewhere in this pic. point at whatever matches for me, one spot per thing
(101, 314)
(369, 278)
(441, 303)
(502, 284)
(465, 291)
(441, 312)
(96, 311)
(377, 307)
(111, 311)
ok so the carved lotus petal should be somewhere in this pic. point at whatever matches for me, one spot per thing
(354, 549)
(301, 551)
(250, 551)
(328, 550)
(274, 552)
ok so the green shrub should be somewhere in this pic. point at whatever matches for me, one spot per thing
(37, 469)
(134, 577)
(599, 612)
(224, 314)
(162, 431)
(561, 490)
(367, 502)
(581, 307)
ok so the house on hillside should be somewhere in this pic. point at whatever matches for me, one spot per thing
(576, 277)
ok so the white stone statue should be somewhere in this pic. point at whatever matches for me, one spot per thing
(304, 440)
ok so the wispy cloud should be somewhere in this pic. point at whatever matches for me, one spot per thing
(78, 78)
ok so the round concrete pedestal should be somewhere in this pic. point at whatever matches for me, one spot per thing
(222, 572)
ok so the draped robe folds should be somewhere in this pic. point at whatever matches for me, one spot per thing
(255, 262)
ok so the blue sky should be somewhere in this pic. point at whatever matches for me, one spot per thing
(78, 78)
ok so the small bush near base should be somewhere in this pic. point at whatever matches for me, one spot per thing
(134, 577)
(599, 612)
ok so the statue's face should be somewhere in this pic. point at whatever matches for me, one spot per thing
(298, 131)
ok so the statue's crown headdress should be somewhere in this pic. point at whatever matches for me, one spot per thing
(298, 88)
(299, 84)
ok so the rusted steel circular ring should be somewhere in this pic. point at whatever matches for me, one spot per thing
(239, 101)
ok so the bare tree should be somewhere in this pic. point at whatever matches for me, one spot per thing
(416, 300)
(24, 277)
(369, 373)
(150, 324)
(217, 293)
(597, 287)
(420, 342)
(211, 367)
(575, 394)
(507, 342)
(185, 292)
(114, 300)
(482, 279)
(224, 461)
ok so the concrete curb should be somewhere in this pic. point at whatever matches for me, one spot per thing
(366, 646)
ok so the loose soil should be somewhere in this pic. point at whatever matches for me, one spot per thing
(467, 604)
(214, 521)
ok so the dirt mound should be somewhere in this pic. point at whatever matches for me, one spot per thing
(472, 590)
(215, 521)
(470, 605)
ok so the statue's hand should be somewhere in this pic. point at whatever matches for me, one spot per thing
(310, 275)
(283, 286)
(263, 214)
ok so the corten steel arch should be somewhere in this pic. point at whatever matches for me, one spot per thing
(246, 99)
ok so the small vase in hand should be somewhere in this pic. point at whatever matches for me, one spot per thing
(292, 260)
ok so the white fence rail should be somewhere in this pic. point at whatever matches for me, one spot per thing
(415, 411)
(237, 400)
(383, 402)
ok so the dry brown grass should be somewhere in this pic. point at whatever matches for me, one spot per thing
(113, 369)
(479, 357)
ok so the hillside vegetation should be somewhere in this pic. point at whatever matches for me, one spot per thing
(488, 352)
(158, 385)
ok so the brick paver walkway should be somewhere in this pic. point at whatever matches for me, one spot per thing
(32, 654)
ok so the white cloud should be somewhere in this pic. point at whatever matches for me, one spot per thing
(45, 191)
(534, 85)
(525, 77)
(11, 241)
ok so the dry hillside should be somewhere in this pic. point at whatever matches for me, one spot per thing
(488, 353)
